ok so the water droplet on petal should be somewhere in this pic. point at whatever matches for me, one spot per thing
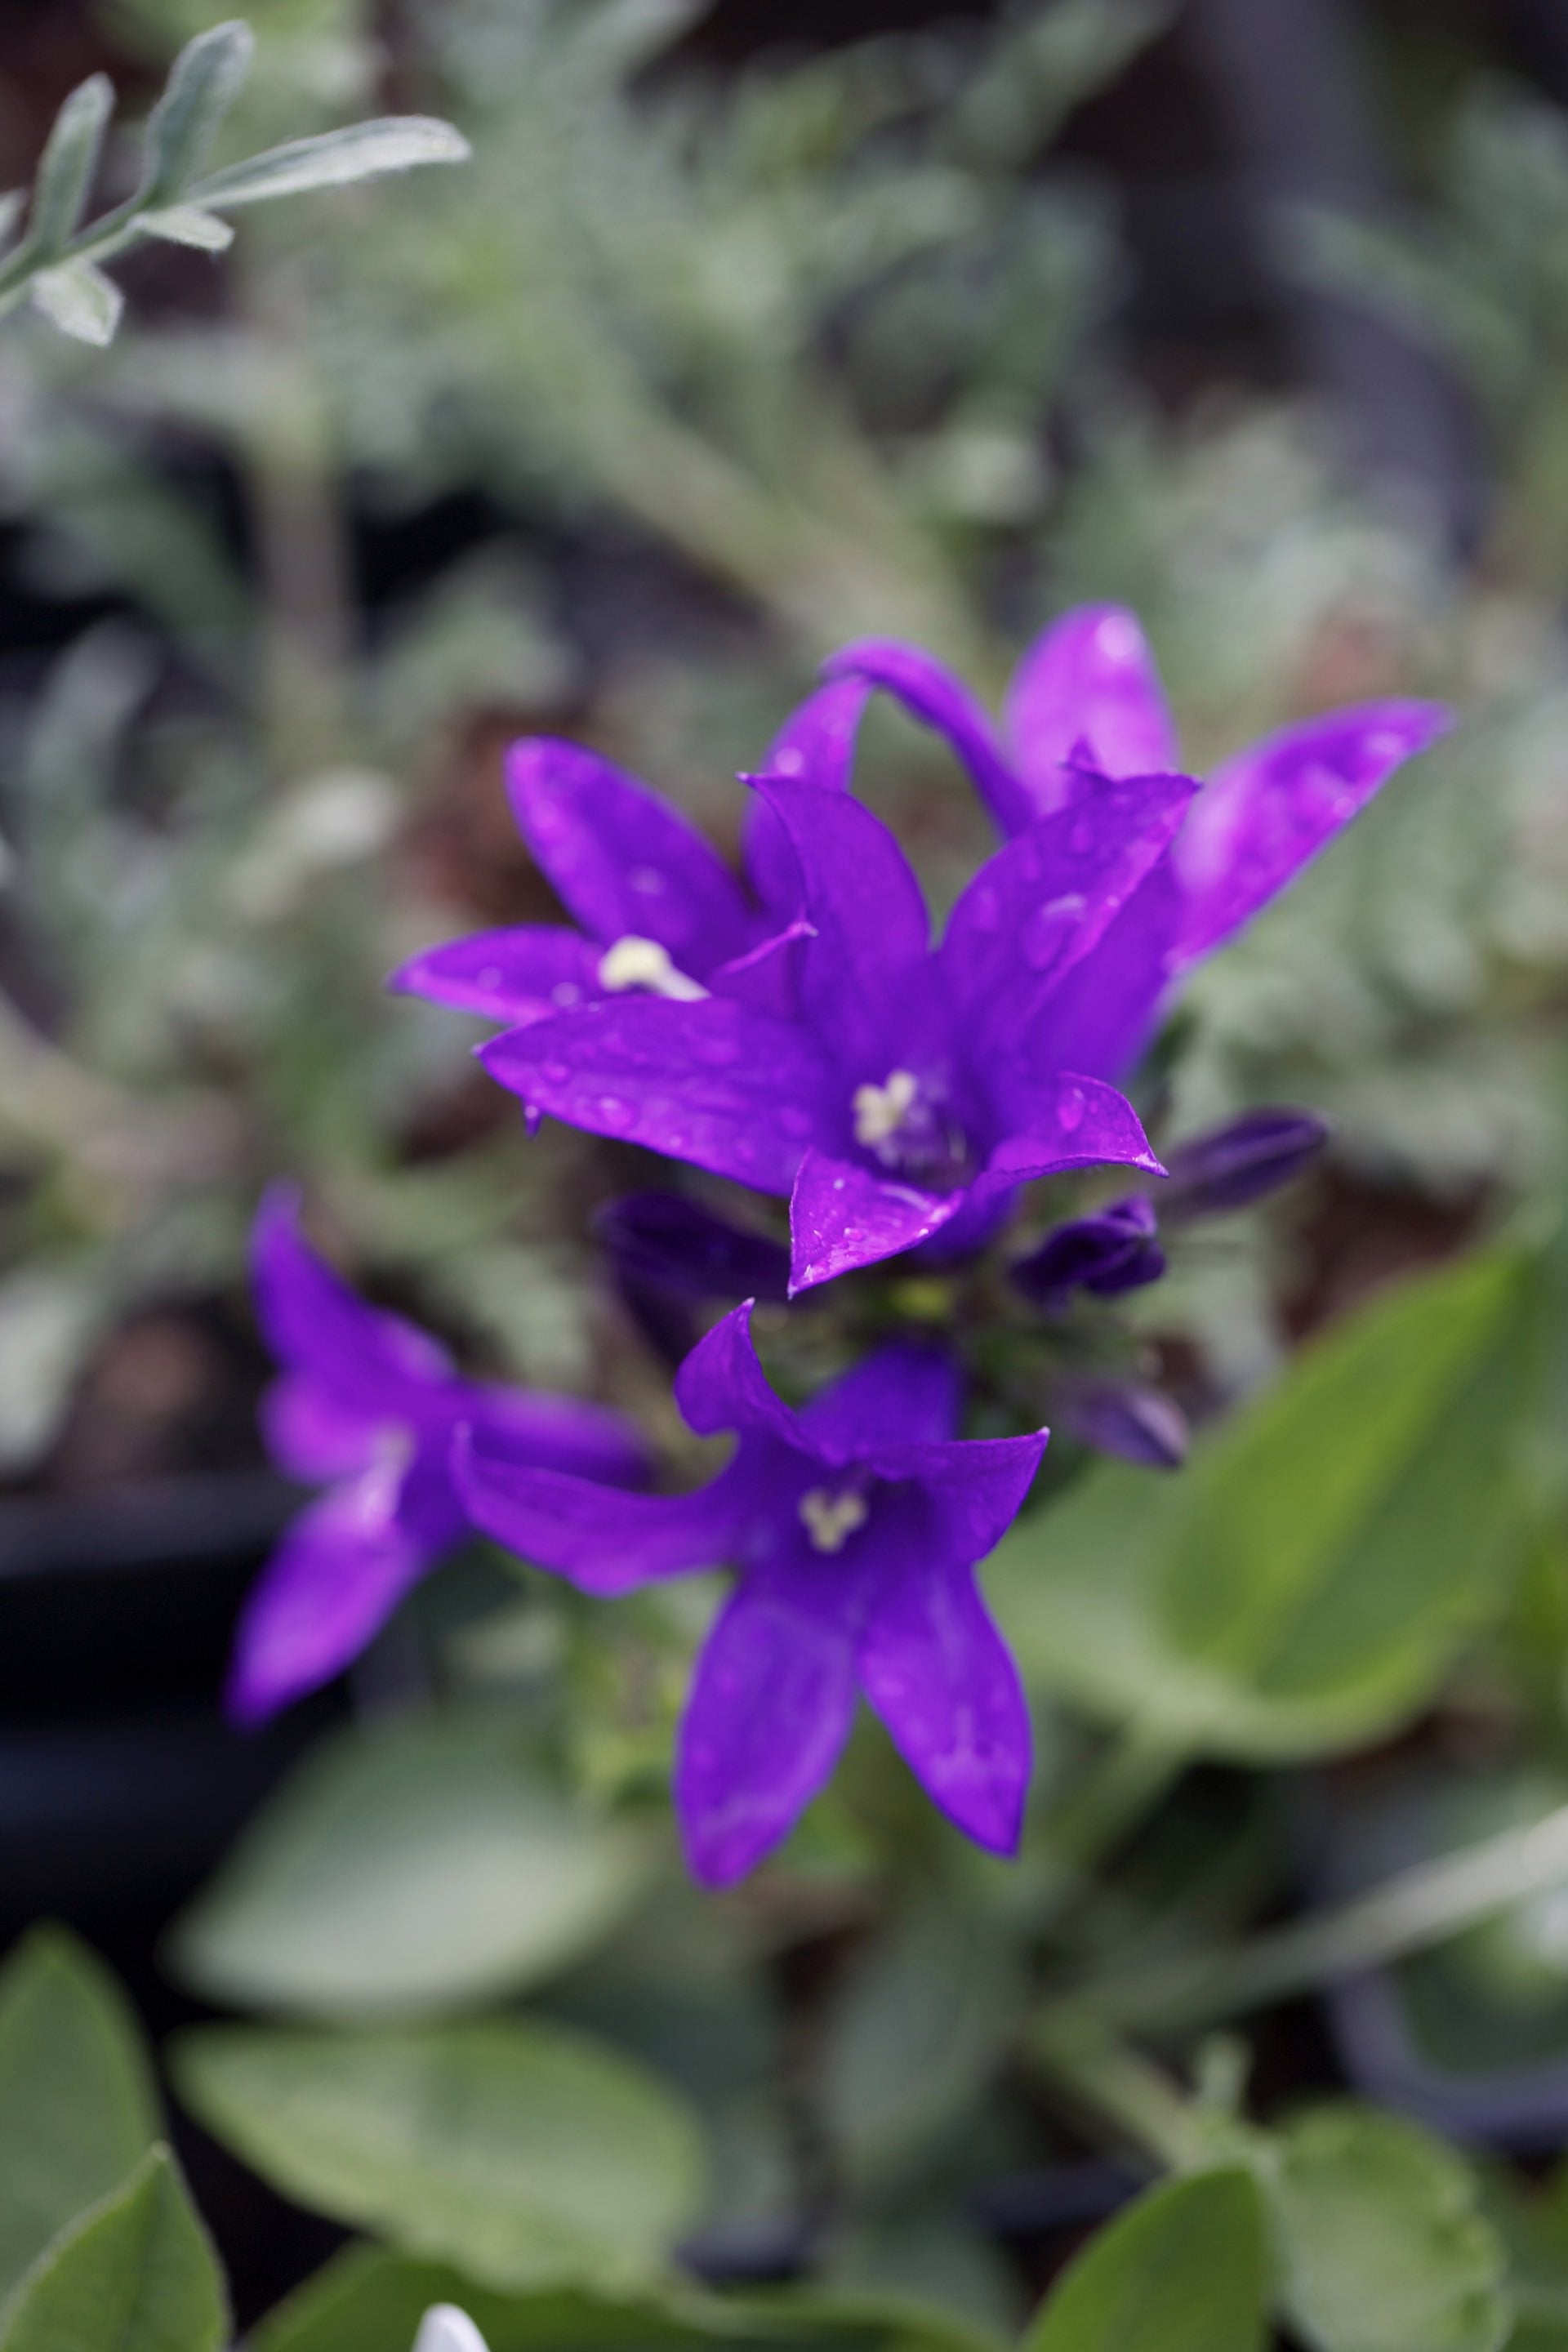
(618, 1115)
(1069, 1109)
(556, 1073)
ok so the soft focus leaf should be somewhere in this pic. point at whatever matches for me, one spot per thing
(1182, 2270)
(137, 2273)
(51, 1317)
(524, 2154)
(363, 151)
(77, 2109)
(70, 160)
(188, 224)
(80, 300)
(405, 1867)
(203, 84)
(1381, 2243)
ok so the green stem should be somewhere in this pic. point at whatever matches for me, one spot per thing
(1137, 2099)
(1118, 1791)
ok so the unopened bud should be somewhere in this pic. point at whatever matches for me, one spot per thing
(1113, 1251)
(1237, 1164)
(1135, 1424)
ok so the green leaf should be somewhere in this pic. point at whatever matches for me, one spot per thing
(402, 1868)
(187, 224)
(77, 2109)
(136, 2273)
(1304, 1584)
(69, 163)
(203, 84)
(363, 150)
(80, 300)
(524, 2154)
(1182, 2270)
(1381, 2242)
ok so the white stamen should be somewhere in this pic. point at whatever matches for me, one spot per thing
(831, 1519)
(881, 1111)
(632, 962)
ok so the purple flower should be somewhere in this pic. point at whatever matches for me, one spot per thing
(901, 1093)
(1085, 703)
(663, 1238)
(853, 1526)
(659, 910)
(367, 1404)
(1127, 1418)
(1237, 1164)
(1113, 1251)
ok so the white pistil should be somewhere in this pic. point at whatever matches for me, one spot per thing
(881, 1111)
(831, 1519)
(633, 962)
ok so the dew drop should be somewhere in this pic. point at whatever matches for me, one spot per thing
(556, 1074)
(1069, 1111)
(618, 1115)
(490, 976)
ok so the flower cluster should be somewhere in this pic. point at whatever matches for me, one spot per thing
(802, 1035)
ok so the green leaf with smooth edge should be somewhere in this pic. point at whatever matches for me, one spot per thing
(80, 300)
(187, 224)
(68, 161)
(367, 2300)
(1182, 2270)
(1359, 1587)
(524, 2154)
(407, 1867)
(204, 82)
(78, 2110)
(363, 150)
(136, 2273)
(1380, 2241)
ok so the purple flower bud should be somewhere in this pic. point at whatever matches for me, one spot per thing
(1113, 1251)
(662, 1239)
(1239, 1163)
(1137, 1424)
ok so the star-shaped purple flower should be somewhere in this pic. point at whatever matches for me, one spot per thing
(854, 1527)
(368, 1404)
(660, 913)
(897, 1093)
(1086, 702)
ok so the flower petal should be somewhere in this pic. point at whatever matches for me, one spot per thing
(625, 862)
(722, 1386)
(1266, 813)
(769, 1708)
(374, 1363)
(975, 1486)
(815, 743)
(842, 1216)
(903, 1392)
(714, 1082)
(602, 1540)
(664, 1238)
(1074, 1122)
(870, 929)
(518, 975)
(334, 1579)
(557, 1432)
(930, 693)
(312, 1435)
(1088, 680)
(939, 1673)
(1100, 1017)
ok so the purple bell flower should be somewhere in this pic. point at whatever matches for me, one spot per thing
(367, 1405)
(902, 1092)
(660, 911)
(1235, 1165)
(853, 1527)
(1086, 702)
(1112, 1251)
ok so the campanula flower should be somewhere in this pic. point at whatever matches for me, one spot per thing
(367, 1405)
(1086, 702)
(659, 912)
(902, 1092)
(1112, 1251)
(853, 1527)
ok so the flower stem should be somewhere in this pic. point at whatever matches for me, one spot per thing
(1138, 2100)
(1123, 1785)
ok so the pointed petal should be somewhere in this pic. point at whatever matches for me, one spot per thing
(1047, 899)
(1089, 679)
(312, 1435)
(1266, 813)
(975, 1486)
(817, 744)
(557, 1432)
(769, 1710)
(374, 1363)
(902, 1394)
(841, 1216)
(518, 975)
(625, 862)
(1073, 1122)
(722, 1386)
(870, 929)
(713, 1082)
(939, 1673)
(334, 1579)
(931, 694)
(1103, 1016)
(604, 1541)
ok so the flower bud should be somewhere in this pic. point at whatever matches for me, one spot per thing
(1113, 1251)
(1234, 1165)
(1135, 1424)
(660, 1238)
